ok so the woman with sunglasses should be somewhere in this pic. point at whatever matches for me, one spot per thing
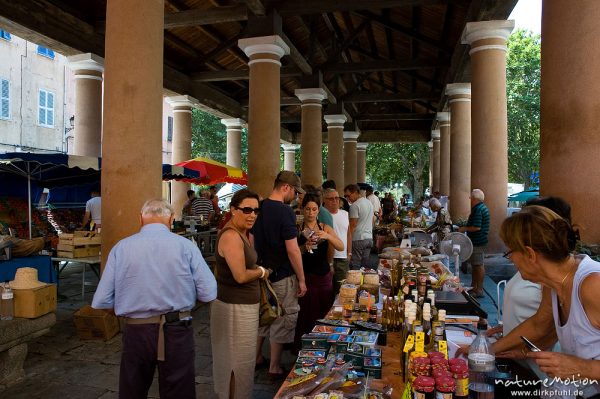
(234, 314)
(316, 241)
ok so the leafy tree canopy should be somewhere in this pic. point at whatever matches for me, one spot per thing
(523, 74)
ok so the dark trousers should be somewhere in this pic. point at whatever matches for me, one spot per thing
(176, 374)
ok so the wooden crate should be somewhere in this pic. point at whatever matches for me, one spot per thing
(78, 252)
(80, 238)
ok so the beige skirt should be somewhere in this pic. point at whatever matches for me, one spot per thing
(233, 332)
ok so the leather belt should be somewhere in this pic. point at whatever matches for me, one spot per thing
(161, 320)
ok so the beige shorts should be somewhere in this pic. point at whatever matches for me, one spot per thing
(477, 256)
(282, 330)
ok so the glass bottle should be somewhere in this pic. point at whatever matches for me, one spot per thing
(6, 303)
(481, 361)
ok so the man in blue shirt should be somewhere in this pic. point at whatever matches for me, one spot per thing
(477, 229)
(153, 279)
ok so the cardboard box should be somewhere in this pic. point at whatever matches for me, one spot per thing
(95, 324)
(35, 302)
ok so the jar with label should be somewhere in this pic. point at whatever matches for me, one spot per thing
(460, 372)
(444, 388)
(423, 387)
(373, 314)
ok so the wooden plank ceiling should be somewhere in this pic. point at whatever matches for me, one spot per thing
(384, 63)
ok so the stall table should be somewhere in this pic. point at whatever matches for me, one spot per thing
(42, 263)
(391, 368)
(92, 261)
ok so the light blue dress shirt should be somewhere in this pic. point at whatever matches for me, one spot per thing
(154, 272)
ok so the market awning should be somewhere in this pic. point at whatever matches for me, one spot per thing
(213, 172)
(524, 195)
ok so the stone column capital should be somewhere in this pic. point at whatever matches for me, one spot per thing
(273, 45)
(443, 117)
(335, 120)
(182, 103)
(435, 134)
(474, 31)
(311, 96)
(290, 147)
(233, 123)
(430, 145)
(351, 136)
(455, 89)
(487, 35)
(86, 62)
(362, 146)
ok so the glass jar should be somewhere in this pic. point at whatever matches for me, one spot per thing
(444, 388)
(460, 372)
(423, 387)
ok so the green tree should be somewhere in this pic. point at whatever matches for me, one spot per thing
(388, 164)
(209, 138)
(523, 99)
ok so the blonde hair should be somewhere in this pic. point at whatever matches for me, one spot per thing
(541, 229)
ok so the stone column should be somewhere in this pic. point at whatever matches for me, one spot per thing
(350, 166)
(234, 141)
(264, 114)
(435, 185)
(459, 97)
(489, 141)
(445, 140)
(132, 139)
(335, 150)
(569, 141)
(88, 69)
(361, 162)
(312, 135)
(182, 145)
(289, 156)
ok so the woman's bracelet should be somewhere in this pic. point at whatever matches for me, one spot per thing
(263, 272)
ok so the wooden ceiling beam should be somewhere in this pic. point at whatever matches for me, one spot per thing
(381, 66)
(240, 74)
(296, 56)
(391, 97)
(206, 17)
(305, 7)
(256, 6)
(394, 136)
(395, 117)
(403, 30)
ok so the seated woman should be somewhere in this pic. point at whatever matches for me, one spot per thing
(316, 252)
(234, 314)
(540, 244)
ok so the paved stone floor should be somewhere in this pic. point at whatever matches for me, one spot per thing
(59, 365)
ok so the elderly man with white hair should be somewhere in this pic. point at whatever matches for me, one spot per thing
(443, 223)
(477, 229)
(153, 279)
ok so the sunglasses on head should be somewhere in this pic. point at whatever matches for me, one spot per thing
(247, 210)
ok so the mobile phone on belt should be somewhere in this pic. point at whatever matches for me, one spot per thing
(530, 345)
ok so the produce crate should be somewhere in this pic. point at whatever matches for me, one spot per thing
(35, 302)
(95, 324)
(80, 244)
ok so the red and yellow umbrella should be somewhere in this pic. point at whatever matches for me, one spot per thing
(213, 172)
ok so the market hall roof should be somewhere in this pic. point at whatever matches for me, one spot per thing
(384, 63)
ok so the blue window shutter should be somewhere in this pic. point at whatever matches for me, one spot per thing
(5, 99)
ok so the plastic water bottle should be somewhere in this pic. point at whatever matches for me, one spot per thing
(482, 360)
(6, 303)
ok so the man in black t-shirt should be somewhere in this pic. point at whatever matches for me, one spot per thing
(275, 239)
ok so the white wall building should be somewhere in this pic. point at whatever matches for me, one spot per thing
(37, 100)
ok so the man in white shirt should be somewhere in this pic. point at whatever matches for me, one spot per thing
(340, 226)
(361, 227)
(93, 209)
(376, 204)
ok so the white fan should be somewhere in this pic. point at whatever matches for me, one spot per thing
(458, 246)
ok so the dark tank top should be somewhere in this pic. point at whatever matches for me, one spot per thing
(229, 290)
(315, 263)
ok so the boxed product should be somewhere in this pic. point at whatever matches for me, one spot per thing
(30, 303)
(95, 323)
(315, 341)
